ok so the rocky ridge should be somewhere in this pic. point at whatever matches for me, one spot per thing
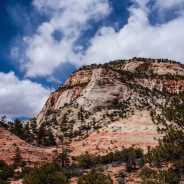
(105, 102)
(115, 78)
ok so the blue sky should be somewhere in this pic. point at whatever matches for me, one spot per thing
(43, 41)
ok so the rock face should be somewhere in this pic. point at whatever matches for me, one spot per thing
(100, 104)
(101, 86)
(60, 98)
(137, 131)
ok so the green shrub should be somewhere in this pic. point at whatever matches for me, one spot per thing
(148, 173)
(86, 161)
(46, 174)
(6, 172)
(24, 171)
(94, 177)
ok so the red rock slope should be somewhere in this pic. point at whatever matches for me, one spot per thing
(29, 153)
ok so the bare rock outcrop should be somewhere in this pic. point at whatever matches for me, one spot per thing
(99, 86)
(101, 104)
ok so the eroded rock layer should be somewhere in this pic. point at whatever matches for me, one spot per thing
(104, 107)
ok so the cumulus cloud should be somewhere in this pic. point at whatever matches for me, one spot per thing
(21, 97)
(44, 52)
(69, 19)
(138, 38)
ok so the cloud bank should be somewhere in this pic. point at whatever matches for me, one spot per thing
(55, 41)
(21, 98)
(69, 18)
(138, 38)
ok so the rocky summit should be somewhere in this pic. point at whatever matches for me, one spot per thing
(104, 107)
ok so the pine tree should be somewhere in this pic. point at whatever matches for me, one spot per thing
(51, 138)
(17, 157)
(3, 122)
(17, 128)
(63, 157)
(40, 134)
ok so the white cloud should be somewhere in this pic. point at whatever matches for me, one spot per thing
(21, 97)
(137, 38)
(70, 17)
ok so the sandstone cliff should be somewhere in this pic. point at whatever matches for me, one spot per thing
(101, 85)
(112, 102)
